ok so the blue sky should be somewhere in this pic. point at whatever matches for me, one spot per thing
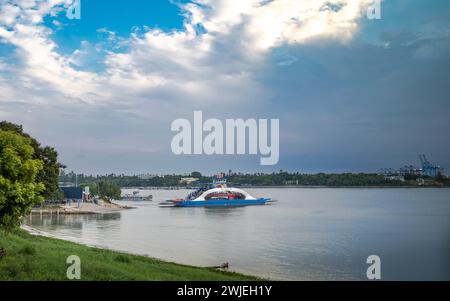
(120, 17)
(351, 94)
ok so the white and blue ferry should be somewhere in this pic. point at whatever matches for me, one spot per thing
(219, 196)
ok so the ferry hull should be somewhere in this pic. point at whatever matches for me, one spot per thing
(222, 203)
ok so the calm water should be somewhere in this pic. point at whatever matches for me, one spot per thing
(310, 234)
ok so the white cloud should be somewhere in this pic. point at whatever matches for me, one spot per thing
(267, 24)
(160, 74)
(37, 53)
(195, 64)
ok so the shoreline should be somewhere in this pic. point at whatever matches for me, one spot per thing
(48, 254)
(295, 186)
(83, 209)
(344, 187)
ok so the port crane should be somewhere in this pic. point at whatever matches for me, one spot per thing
(428, 168)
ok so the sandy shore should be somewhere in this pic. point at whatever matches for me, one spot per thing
(84, 208)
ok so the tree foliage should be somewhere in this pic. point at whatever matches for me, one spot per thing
(48, 155)
(320, 179)
(20, 188)
(105, 189)
(196, 174)
(238, 179)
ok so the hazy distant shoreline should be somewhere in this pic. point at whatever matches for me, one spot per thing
(293, 186)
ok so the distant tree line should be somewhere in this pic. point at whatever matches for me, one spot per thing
(281, 178)
(320, 179)
(120, 180)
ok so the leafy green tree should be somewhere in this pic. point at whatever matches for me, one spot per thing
(20, 189)
(48, 155)
(58, 195)
(105, 189)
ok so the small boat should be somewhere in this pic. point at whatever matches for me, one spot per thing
(220, 196)
(135, 197)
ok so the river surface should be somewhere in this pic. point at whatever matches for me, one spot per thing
(310, 234)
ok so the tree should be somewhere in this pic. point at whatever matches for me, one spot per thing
(105, 190)
(196, 175)
(48, 155)
(20, 188)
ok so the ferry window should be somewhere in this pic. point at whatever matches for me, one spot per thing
(216, 195)
(236, 196)
(225, 195)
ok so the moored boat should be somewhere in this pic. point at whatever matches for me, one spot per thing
(219, 196)
(136, 197)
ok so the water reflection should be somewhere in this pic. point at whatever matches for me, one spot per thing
(71, 220)
(224, 213)
(86, 227)
(310, 234)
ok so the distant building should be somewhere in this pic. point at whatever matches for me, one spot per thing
(420, 182)
(73, 193)
(66, 184)
(395, 178)
(188, 181)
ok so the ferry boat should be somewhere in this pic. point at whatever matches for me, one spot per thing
(218, 196)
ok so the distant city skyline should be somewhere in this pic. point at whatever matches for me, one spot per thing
(352, 94)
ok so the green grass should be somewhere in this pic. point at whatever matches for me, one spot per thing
(40, 259)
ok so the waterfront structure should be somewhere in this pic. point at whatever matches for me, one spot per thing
(427, 169)
(73, 193)
(188, 181)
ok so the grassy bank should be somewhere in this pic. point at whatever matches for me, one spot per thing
(30, 257)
